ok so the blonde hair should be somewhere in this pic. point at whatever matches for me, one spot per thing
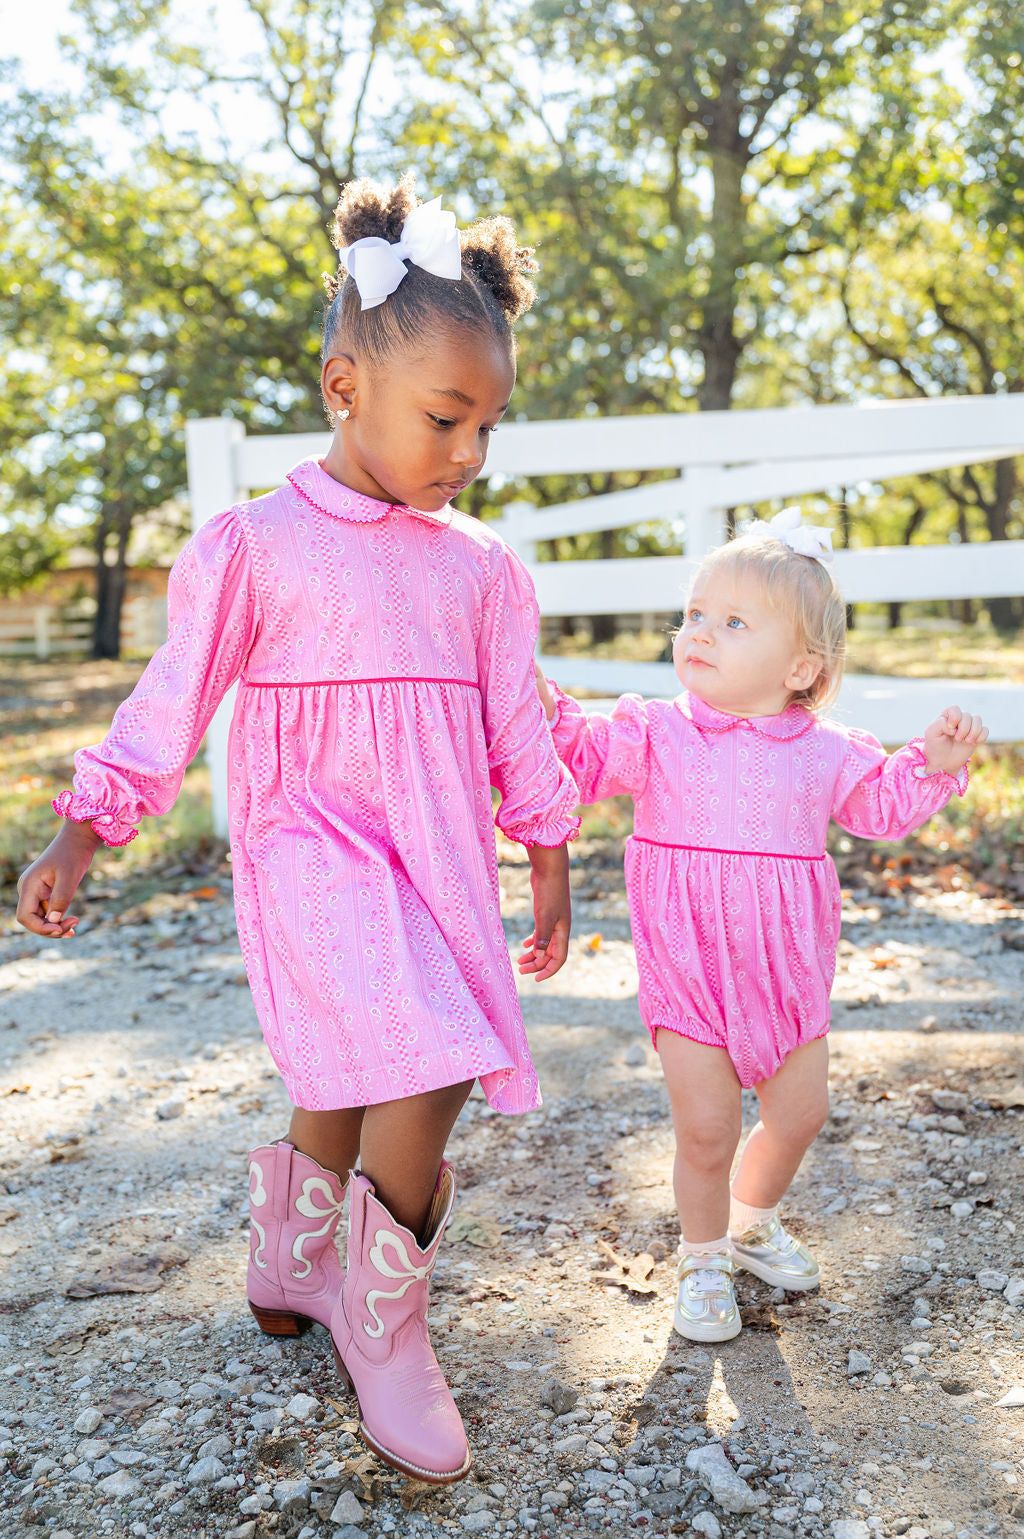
(802, 587)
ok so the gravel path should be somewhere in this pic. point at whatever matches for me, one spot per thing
(134, 1081)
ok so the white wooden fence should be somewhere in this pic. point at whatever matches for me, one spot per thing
(721, 460)
(47, 630)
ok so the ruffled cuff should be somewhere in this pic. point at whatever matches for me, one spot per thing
(550, 836)
(919, 770)
(108, 826)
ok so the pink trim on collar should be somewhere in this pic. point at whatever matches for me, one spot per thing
(328, 496)
(790, 723)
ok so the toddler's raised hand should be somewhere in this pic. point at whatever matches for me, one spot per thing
(547, 699)
(951, 739)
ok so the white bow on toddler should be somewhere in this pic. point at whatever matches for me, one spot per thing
(805, 539)
(430, 238)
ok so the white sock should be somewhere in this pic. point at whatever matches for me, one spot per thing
(704, 1247)
(743, 1217)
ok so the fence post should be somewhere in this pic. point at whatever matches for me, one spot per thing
(512, 520)
(210, 445)
(42, 631)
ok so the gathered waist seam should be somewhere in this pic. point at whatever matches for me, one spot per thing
(393, 678)
(704, 849)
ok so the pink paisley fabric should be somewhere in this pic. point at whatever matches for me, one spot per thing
(385, 659)
(734, 902)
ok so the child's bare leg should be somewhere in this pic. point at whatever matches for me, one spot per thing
(401, 1149)
(794, 1106)
(329, 1137)
(706, 1113)
(398, 1144)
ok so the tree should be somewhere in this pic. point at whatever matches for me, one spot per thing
(181, 283)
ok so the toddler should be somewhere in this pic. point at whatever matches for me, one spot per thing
(735, 904)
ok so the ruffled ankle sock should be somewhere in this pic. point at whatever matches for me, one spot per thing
(743, 1217)
(704, 1247)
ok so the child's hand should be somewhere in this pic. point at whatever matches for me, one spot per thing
(951, 739)
(547, 699)
(546, 949)
(46, 887)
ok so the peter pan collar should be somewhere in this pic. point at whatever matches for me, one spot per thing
(328, 496)
(790, 723)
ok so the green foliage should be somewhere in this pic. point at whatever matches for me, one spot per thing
(29, 550)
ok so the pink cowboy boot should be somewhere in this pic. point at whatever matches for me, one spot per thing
(381, 1346)
(295, 1275)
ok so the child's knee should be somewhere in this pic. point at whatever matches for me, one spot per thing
(707, 1143)
(800, 1125)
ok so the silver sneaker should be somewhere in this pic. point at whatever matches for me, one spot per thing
(776, 1257)
(706, 1303)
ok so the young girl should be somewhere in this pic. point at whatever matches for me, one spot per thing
(384, 647)
(734, 902)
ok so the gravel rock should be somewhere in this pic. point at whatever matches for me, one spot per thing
(1013, 1293)
(88, 1420)
(718, 1477)
(205, 1471)
(347, 1509)
(850, 1528)
(858, 1363)
(559, 1397)
(119, 1485)
(302, 1406)
(707, 1524)
(168, 1110)
(992, 1280)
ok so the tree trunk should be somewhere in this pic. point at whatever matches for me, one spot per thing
(1004, 611)
(111, 583)
(605, 627)
(720, 346)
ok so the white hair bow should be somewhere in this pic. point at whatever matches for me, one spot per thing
(429, 237)
(805, 539)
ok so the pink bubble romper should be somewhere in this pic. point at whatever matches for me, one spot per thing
(734, 902)
(385, 667)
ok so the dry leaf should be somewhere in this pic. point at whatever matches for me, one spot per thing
(761, 1317)
(632, 1274)
(475, 1231)
(254, 1105)
(595, 943)
(126, 1402)
(128, 1274)
(414, 1494)
(17, 1090)
(65, 1153)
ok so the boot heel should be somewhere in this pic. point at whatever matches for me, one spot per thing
(342, 1371)
(280, 1322)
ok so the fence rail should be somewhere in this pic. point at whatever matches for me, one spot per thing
(47, 630)
(718, 460)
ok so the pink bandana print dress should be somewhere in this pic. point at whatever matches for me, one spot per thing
(385, 659)
(735, 904)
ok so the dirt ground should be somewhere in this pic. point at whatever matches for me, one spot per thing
(134, 1081)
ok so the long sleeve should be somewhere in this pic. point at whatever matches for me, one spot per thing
(606, 755)
(537, 795)
(884, 796)
(212, 621)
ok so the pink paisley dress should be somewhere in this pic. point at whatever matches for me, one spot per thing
(385, 667)
(734, 902)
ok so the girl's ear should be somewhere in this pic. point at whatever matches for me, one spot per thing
(339, 379)
(802, 674)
